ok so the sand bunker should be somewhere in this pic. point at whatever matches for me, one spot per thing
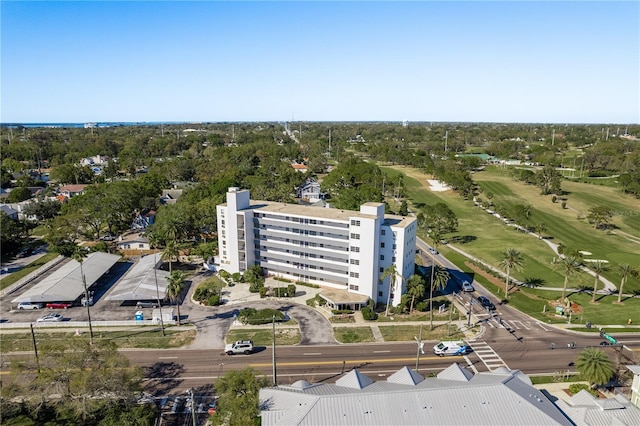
(437, 186)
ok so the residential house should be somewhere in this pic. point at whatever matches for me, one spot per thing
(9, 211)
(71, 190)
(134, 243)
(143, 219)
(309, 191)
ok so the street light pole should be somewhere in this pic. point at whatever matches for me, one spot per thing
(420, 346)
(275, 379)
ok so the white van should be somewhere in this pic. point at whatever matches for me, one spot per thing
(451, 348)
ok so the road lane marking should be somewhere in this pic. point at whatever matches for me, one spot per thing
(312, 353)
(354, 361)
(167, 357)
(381, 352)
(542, 326)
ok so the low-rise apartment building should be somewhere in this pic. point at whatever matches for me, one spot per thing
(342, 249)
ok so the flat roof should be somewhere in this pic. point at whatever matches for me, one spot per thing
(65, 283)
(139, 283)
(343, 296)
(312, 211)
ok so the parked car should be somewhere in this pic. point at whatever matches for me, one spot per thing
(143, 304)
(58, 305)
(486, 303)
(50, 318)
(24, 253)
(239, 347)
(432, 250)
(466, 286)
(30, 305)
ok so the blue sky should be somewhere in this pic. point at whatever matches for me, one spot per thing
(561, 62)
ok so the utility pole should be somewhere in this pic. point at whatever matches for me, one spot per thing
(193, 411)
(420, 346)
(275, 378)
(553, 137)
(446, 139)
(35, 347)
(155, 276)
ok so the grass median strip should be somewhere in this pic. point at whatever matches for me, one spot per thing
(264, 337)
(134, 338)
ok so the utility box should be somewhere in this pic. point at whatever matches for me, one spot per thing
(167, 315)
(139, 316)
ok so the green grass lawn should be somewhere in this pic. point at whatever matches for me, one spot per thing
(353, 334)
(134, 338)
(264, 337)
(404, 333)
(486, 236)
(15, 276)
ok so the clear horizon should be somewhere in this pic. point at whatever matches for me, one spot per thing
(208, 61)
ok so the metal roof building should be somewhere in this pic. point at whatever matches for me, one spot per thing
(140, 282)
(585, 409)
(455, 397)
(65, 283)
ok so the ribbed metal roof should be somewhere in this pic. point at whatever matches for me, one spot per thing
(139, 283)
(65, 283)
(585, 409)
(506, 400)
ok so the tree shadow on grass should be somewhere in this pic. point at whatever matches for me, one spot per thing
(162, 377)
(533, 282)
(463, 239)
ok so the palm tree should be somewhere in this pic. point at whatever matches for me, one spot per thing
(626, 271)
(174, 290)
(594, 366)
(598, 268)
(390, 272)
(569, 266)
(78, 255)
(511, 259)
(170, 251)
(439, 279)
(415, 288)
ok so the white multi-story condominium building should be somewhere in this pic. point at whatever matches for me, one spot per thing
(341, 249)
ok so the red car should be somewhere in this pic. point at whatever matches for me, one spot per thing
(58, 305)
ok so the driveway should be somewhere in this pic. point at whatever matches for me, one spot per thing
(213, 323)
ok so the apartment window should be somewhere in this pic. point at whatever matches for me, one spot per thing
(355, 261)
(379, 294)
(394, 246)
(355, 222)
(355, 236)
(381, 245)
(355, 249)
(354, 275)
(382, 257)
(382, 232)
(354, 287)
(381, 270)
(393, 259)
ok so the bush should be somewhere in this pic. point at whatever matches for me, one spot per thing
(311, 302)
(291, 289)
(263, 316)
(307, 284)
(284, 280)
(280, 292)
(577, 387)
(368, 314)
(341, 311)
(422, 306)
(263, 292)
(214, 300)
(255, 287)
